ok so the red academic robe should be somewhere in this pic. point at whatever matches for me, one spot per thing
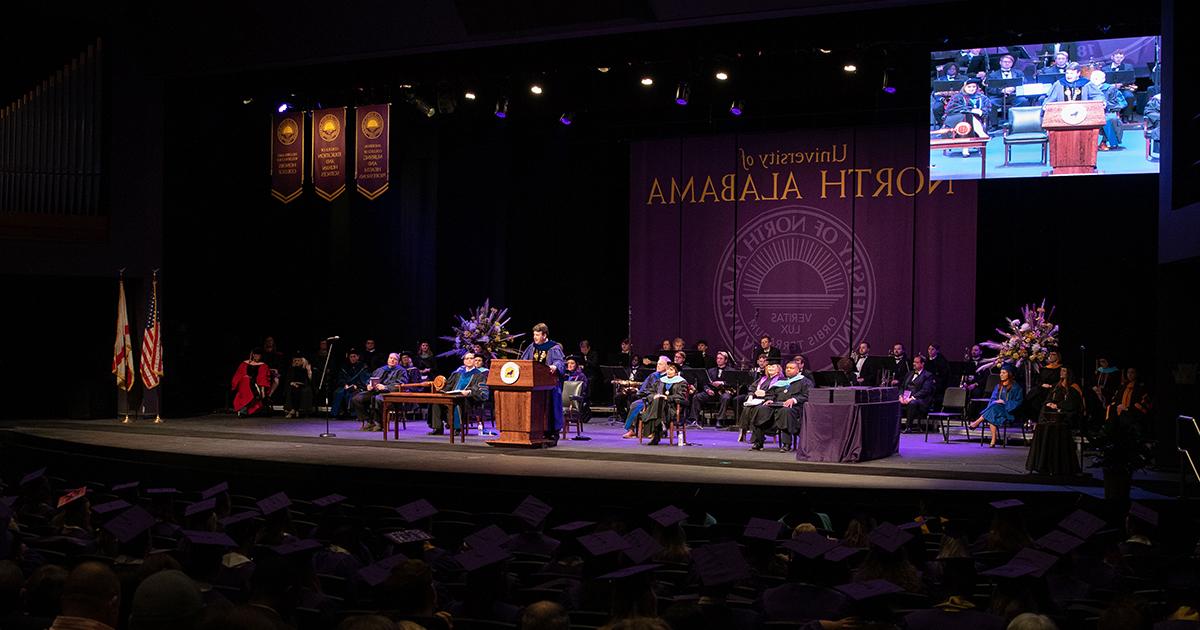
(244, 392)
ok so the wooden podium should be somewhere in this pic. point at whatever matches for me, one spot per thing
(1073, 126)
(522, 394)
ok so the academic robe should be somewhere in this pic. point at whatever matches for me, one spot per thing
(250, 383)
(474, 382)
(1003, 413)
(550, 353)
(635, 408)
(661, 411)
(1079, 90)
(746, 418)
(784, 418)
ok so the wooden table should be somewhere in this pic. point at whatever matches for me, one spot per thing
(945, 144)
(423, 398)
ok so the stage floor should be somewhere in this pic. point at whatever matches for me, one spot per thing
(714, 456)
(1130, 159)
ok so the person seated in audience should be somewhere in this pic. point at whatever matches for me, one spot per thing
(91, 599)
(917, 394)
(297, 378)
(670, 391)
(642, 396)
(424, 360)
(765, 348)
(410, 595)
(251, 383)
(469, 385)
(1132, 398)
(1118, 64)
(784, 410)
(575, 372)
(589, 362)
(372, 356)
(413, 372)
(168, 600)
(973, 381)
(1003, 98)
(859, 358)
(1062, 61)
(545, 615)
(702, 358)
(368, 403)
(679, 360)
(937, 100)
(970, 106)
(897, 366)
(1003, 405)
(757, 393)
(351, 379)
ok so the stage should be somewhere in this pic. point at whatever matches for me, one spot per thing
(714, 457)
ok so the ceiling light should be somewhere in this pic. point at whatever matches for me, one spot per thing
(535, 88)
(469, 95)
(647, 81)
(722, 75)
(850, 67)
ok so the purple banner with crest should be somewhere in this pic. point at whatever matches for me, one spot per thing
(329, 152)
(287, 155)
(818, 238)
(372, 126)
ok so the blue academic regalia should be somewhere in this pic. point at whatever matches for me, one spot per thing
(643, 392)
(550, 353)
(1001, 414)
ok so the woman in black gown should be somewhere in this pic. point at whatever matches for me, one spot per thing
(1053, 449)
(660, 407)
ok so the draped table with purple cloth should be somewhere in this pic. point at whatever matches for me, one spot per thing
(849, 431)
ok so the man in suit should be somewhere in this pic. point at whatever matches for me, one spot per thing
(975, 61)
(784, 409)
(469, 382)
(715, 389)
(898, 365)
(1054, 50)
(1059, 67)
(1003, 98)
(765, 348)
(918, 392)
(1117, 64)
(368, 403)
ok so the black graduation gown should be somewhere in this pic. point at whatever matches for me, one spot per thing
(661, 411)
(784, 418)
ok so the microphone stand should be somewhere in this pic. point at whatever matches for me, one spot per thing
(321, 386)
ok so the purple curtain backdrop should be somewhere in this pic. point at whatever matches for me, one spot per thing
(819, 238)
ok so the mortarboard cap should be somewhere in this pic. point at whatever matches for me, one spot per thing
(490, 536)
(642, 546)
(417, 510)
(1041, 560)
(763, 529)
(841, 552)
(668, 516)
(861, 591)
(32, 476)
(720, 563)
(573, 526)
(328, 500)
(532, 511)
(378, 573)
(161, 492)
(209, 539)
(215, 490)
(1007, 504)
(407, 536)
(1059, 542)
(1143, 514)
(628, 572)
(201, 506)
(274, 503)
(1011, 570)
(810, 545)
(130, 524)
(605, 542)
(72, 496)
(240, 517)
(1082, 524)
(296, 545)
(109, 507)
(475, 559)
(128, 485)
(889, 538)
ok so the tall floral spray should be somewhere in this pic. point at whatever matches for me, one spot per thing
(486, 326)
(1028, 339)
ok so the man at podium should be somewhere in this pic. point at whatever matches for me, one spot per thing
(551, 353)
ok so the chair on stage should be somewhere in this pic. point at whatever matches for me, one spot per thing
(954, 405)
(677, 427)
(572, 408)
(1024, 126)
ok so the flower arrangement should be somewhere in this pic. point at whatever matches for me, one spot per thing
(486, 326)
(1028, 339)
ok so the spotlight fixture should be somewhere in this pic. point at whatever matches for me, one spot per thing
(736, 107)
(887, 87)
(647, 80)
(850, 67)
(502, 107)
(722, 75)
(824, 51)
(283, 107)
(567, 118)
(246, 100)
(603, 69)
(469, 95)
(535, 88)
(682, 92)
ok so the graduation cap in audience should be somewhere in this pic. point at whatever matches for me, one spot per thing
(296, 546)
(1007, 504)
(240, 517)
(407, 536)
(161, 492)
(1082, 524)
(889, 538)
(1041, 560)
(328, 500)
(1059, 542)
(810, 545)
(199, 507)
(130, 524)
(1143, 514)
(490, 536)
(72, 496)
(32, 477)
(215, 490)
(602, 543)
(841, 552)
(274, 503)
(1011, 570)
(208, 539)
(475, 559)
(867, 589)
(720, 563)
(109, 507)
(532, 511)
(128, 485)
(378, 573)
(642, 546)
(416, 511)
(630, 572)
(763, 529)
(573, 526)
(668, 516)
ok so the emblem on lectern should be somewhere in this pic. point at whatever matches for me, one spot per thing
(510, 372)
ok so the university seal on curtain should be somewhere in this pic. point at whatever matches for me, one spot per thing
(798, 274)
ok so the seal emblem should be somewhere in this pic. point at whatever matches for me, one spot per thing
(510, 372)
(329, 127)
(372, 125)
(287, 131)
(800, 275)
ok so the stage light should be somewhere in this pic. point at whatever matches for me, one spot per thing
(535, 88)
(722, 75)
(567, 118)
(502, 107)
(824, 51)
(850, 67)
(887, 87)
(647, 81)
(603, 69)
(682, 92)
(469, 95)
(283, 107)
(247, 100)
(736, 107)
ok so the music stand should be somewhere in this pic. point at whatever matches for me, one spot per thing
(1049, 77)
(872, 369)
(831, 378)
(833, 361)
(612, 373)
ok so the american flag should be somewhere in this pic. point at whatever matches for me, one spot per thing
(122, 363)
(152, 343)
